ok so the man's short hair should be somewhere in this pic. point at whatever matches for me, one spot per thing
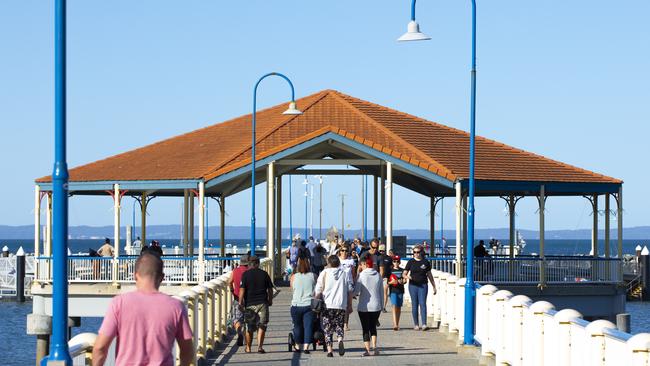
(254, 261)
(149, 265)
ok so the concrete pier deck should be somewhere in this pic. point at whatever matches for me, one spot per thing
(403, 347)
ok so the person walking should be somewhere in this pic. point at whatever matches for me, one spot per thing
(335, 288)
(349, 266)
(316, 252)
(386, 263)
(255, 297)
(396, 286)
(302, 283)
(370, 290)
(234, 282)
(417, 271)
(145, 337)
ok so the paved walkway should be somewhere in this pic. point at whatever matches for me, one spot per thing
(404, 347)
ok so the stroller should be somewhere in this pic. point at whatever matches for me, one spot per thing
(318, 337)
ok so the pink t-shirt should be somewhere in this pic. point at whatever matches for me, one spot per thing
(146, 325)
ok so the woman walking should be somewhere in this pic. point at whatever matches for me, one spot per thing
(369, 287)
(302, 283)
(396, 287)
(348, 265)
(335, 288)
(417, 271)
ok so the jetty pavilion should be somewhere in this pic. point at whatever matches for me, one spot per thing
(336, 130)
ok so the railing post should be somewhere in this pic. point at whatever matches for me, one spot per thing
(498, 308)
(217, 310)
(210, 307)
(515, 328)
(224, 308)
(442, 291)
(436, 298)
(192, 306)
(563, 319)
(483, 317)
(201, 319)
(537, 331)
(596, 341)
(451, 303)
(177, 350)
(460, 307)
(639, 349)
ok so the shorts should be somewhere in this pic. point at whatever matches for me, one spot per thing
(237, 314)
(396, 299)
(385, 281)
(256, 316)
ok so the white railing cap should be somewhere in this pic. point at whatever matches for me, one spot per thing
(189, 294)
(567, 315)
(181, 298)
(502, 295)
(542, 306)
(452, 278)
(597, 327)
(81, 342)
(444, 276)
(210, 285)
(639, 342)
(199, 289)
(487, 290)
(520, 300)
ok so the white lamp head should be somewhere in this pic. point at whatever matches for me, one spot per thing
(413, 33)
(292, 110)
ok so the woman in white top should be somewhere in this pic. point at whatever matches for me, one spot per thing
(335, 288)
(370, 289)
(302, 284)
(347, 263)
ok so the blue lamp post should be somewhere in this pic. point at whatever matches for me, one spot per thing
(292, 110)
(59, 348)
(414, 34)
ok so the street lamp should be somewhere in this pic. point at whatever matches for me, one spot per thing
(292, 110)
(470, 291)
(306, 184)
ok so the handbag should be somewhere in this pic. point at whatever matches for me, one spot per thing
(318, 304)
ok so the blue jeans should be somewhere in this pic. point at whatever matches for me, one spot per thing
(303, 324)
(419, 300)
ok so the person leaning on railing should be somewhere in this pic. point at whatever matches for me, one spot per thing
(146, 322)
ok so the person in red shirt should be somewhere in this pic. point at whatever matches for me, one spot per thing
(145, 337)
(234, 282)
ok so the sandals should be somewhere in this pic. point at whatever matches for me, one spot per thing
(261, 350)
(365, 354)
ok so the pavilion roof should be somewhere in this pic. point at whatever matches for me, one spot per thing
(212, 151)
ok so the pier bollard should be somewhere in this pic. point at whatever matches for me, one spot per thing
(460, 307)
(211, 339)
(201, 299)
(515, 330)
(538, 333)
(623, 322)
(483, 316)
(563, 319)
(177, 351)
(20, 275)
(40, 325)
(596, 341)
(193, 317)
(639, 349)
(444, 317)
(451, 303)
(497, 333)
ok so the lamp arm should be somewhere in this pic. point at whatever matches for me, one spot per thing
(413, 10)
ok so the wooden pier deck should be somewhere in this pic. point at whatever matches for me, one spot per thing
(403, 347)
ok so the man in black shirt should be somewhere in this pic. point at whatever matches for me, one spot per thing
(386, 263)
(255, 297)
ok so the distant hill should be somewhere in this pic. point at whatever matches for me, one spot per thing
(243, 232)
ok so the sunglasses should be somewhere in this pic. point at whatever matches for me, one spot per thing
(417, 251)
(374, 247)
(343, 251)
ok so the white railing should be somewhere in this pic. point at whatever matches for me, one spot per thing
(209, 307)
(516, 331)
(178, 270)
(8, 275)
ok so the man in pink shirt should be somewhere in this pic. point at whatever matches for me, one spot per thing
(234, 282)
(146, 322)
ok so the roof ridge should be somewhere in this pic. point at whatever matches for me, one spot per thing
(268, 133)
(393, 134)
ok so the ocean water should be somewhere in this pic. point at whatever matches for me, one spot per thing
(15, 342)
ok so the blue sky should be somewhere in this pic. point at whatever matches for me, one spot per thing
(564, 79)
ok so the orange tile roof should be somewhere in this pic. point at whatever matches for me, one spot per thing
(214, 150)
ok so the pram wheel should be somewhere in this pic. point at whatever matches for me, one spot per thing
(291, 342)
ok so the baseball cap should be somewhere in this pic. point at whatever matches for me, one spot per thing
(396, 258)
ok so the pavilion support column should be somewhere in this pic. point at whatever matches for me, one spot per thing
(382, 235)
(116, 229)
(363, 209)
(190, 224)
(185, 218)
(594, 228)
(375, 224)
(143, 219)
(222, 224)
(48, 234)
(607, 213)
(511, 212)
(542, 263)
(459, 210)
(432, 226)
(389, 206)
(37, 229)
(201, 231)
(464, 213)
(277, 255)
(619, 218)
(270, 214)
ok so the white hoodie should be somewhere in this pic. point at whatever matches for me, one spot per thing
(337, 286)
(370, 289)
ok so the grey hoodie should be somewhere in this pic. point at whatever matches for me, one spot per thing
(370, 289)
(336, 288)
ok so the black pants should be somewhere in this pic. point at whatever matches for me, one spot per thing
(369, 321)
